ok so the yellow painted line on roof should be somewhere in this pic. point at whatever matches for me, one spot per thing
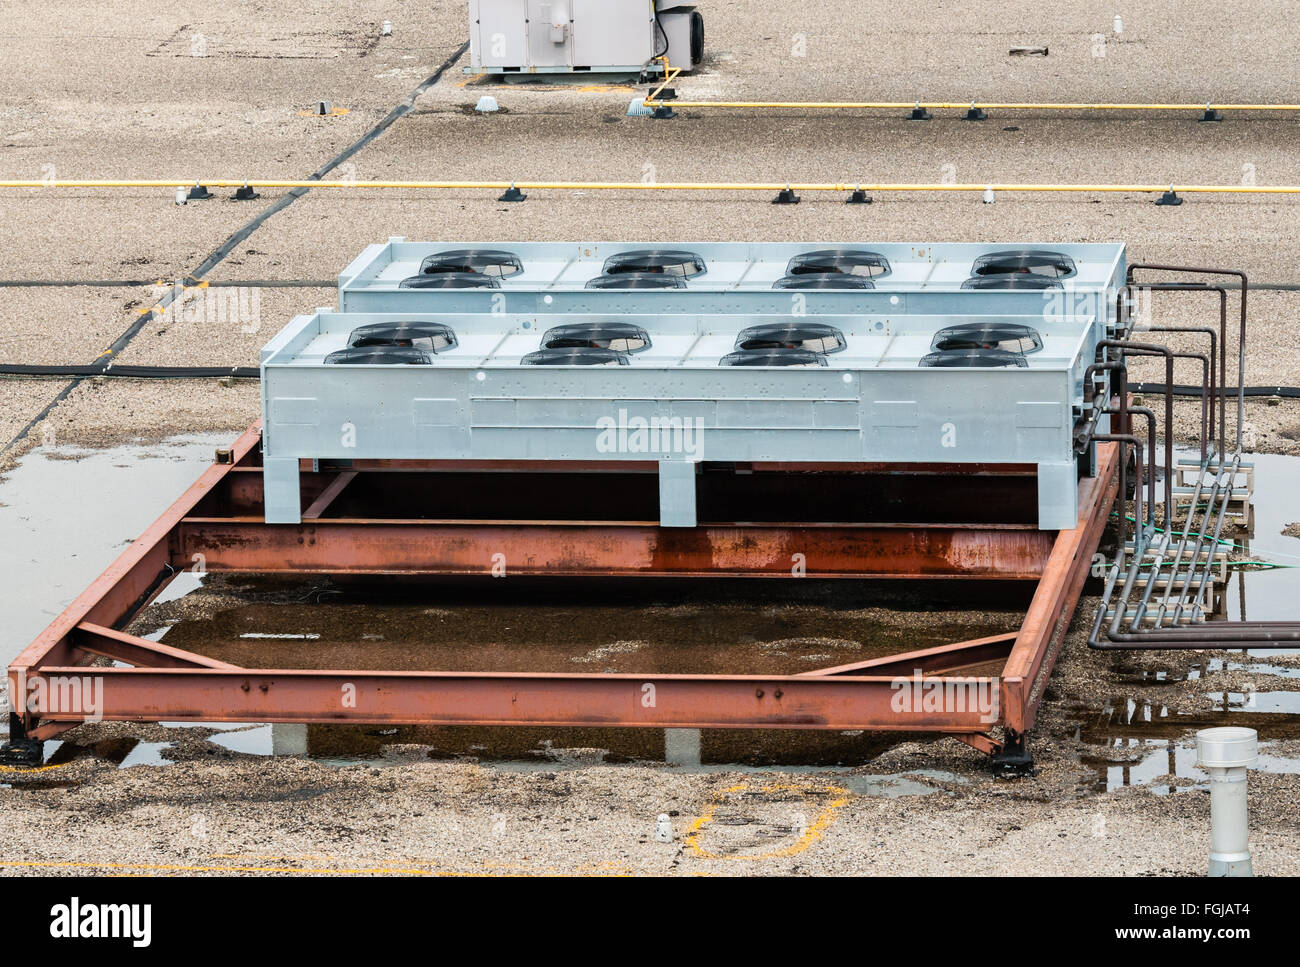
(147, 868)
(810, 835)
(652, 101)
(840, 186)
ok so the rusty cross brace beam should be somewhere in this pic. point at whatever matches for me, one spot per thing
(609, 549)
(492, 698)
(943, 658)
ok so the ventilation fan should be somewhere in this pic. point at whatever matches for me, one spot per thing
(431, 337)
(813, 337)
(655, 262)
(378, 355)
(1054, 265)
(773, 357)
(619, 336)
(586, 356)
(473, 261)
(450, 280)
(974, 359)
(983, 335)
(1028, 281)
(637, 280)
(823, 280)
(839, 261)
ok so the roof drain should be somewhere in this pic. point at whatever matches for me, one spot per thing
(823, 280)
(1024, 262)
(1226, 753)
(973, 359)
(619, 336)
(656, 262)
(983, 335)
(583, 356)
(840, 261)
(475, 261)
(450, 280)
(378, 355)
(813, 337)
(431, 337)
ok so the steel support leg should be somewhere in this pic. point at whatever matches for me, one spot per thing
(281, 488)
(1058, 495)
(676, 493)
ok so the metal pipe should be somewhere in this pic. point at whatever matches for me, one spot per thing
(1226, 754)
(1223, 333)
(1241, 344)
(1207, 382)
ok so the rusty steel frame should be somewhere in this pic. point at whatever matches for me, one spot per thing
(168, 684)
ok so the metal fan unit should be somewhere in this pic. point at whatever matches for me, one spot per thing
(823, 280)
(495, 263)
(586, 356)
(981, 335)
(810, 336)
(1024, 262)
(782, 356)
(450, 280)
(974, 359)
(378, 356)
(618, 336)
(637, 280)
(430, 337)
(840, 261)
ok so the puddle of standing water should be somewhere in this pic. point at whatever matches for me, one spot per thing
(1269, 594)
(67, 512)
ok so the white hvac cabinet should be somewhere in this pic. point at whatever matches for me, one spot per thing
(573, 36)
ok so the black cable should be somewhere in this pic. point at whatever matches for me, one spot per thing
(131, 372)
(1286, 392)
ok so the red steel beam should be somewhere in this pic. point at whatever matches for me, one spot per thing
(142, 652)
(572, 548)
(329, 494)
(128, 584)
(943, 658)
(200, 689)
(1054, 601)
(492, 698)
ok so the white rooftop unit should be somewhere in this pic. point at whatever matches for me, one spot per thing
(582, 36)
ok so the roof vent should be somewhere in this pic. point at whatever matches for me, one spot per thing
(983, 335)
(773, 357)
(637, 280)
(813, 337)
(450, 280)
(585, 356)
(431, 337)
(378, 356)
(1054, 265)
(974, 359)
(656, 262)
(619, 336)
(840, 261)
(473, 261)
(1027, 281)
(823, 280)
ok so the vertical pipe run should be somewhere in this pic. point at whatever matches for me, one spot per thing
(1226, 754)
